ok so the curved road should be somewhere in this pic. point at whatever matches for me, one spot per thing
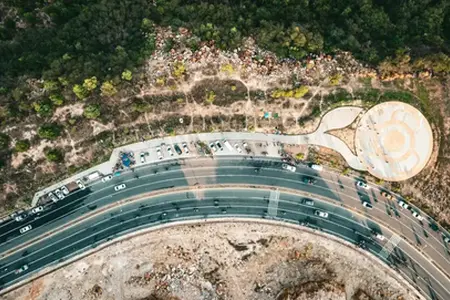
(332, 193)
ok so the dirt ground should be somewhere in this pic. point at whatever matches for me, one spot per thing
(220, 261)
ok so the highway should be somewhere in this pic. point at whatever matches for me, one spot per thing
(210, 203)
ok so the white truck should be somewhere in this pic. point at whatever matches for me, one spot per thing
(228, 145)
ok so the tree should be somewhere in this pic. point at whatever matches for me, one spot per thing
(56, 99)
(80, 91)
(43, 108)
(127, 75)
(92, 111)
(54, 155)
(22, 145)
(49, 131)
(4, 141)
(90, 84)
(108, 89)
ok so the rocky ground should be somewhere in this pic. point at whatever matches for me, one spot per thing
(221, 261)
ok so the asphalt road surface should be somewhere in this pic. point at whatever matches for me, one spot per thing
(347, 217)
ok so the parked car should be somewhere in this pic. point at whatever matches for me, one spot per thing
(387, 195)
(186, 148)
(403, 204)
(169, 150)
(107, 178)
(19, 218)
(446, 239)
(213, 147)
(307, 201)
(316, 167)
(177, 149)
(64, 190)
(219, 145)
(142, 156)
(37, 210)
(245, 145)
(380, 237)
(309, 180)
(25, 229)
(21, 269)
(367, 205)
(362, 184)
(120, 187)
(52, 197)
(158, 153)
(238, 149)
(417, 216)
(321, 214)
(288, 167)
(59, 194)
(80, 184)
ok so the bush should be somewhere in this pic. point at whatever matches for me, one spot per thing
(22, 145)
(4, 141)
(54, 155)
(49, 131)
(92, 111)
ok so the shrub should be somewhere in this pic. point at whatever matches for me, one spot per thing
(54, 155)
(49, 131)
(92, 111)
(22, 145)
(4, 141)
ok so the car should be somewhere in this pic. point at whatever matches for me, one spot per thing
(309, 180)
(446, 239)
(213, 147)
(52, 197)
(169, 150)
(362, 184)
(177, 149)
(386, 195)
(219, 145)
(25, 229)
(142, 156)
(19, 218)
(288, 167)
(158, 153)
(65, 190)
(80, 184)
(417, 216)
(59, 194)
(107, 178)
(380, 237)
(224, 211)
(367, 205)
(307, 201)
(245, 145)
(186, 148)
(316, 167)
(37, 210)
(321, 214)
(21, 269)
(120, 187)
(403, 204)
(238, 149)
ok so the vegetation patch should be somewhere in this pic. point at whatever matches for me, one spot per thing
(219, 92)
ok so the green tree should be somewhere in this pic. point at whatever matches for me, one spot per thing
(80, 91)
(57, 99)
(108, 89)
(22, 145)
(54, 155)
(127, 75)
(90, 83)
(43, 108)
(4, 141)
(92, 111)
(51, 86)
(49, 131)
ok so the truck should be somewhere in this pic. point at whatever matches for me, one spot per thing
(93, 176)
(228, 145)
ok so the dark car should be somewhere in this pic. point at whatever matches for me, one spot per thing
(309, 180)
(178, 149)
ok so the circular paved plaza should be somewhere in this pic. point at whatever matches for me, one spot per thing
(394, 141)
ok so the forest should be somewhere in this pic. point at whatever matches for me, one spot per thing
(65, 42)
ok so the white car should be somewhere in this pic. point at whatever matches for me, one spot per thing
(158, 152)
(120, 187)
(25, 229)
(238, 149)
(37, 210)
(59, 194)
(245, 145)
(65, 190)
(107, 178)
(80, 184)
(169, 150)
(446, 239)
(418, 216)
(52, 197)
(321, 214)
(19, 218)
(21, 269)
(362, 184)
(142, 156)
(288, 167)
(380, 237)
(185, 148)
(213, 147)
(403, 204)
(219, 145)
(367, 205)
